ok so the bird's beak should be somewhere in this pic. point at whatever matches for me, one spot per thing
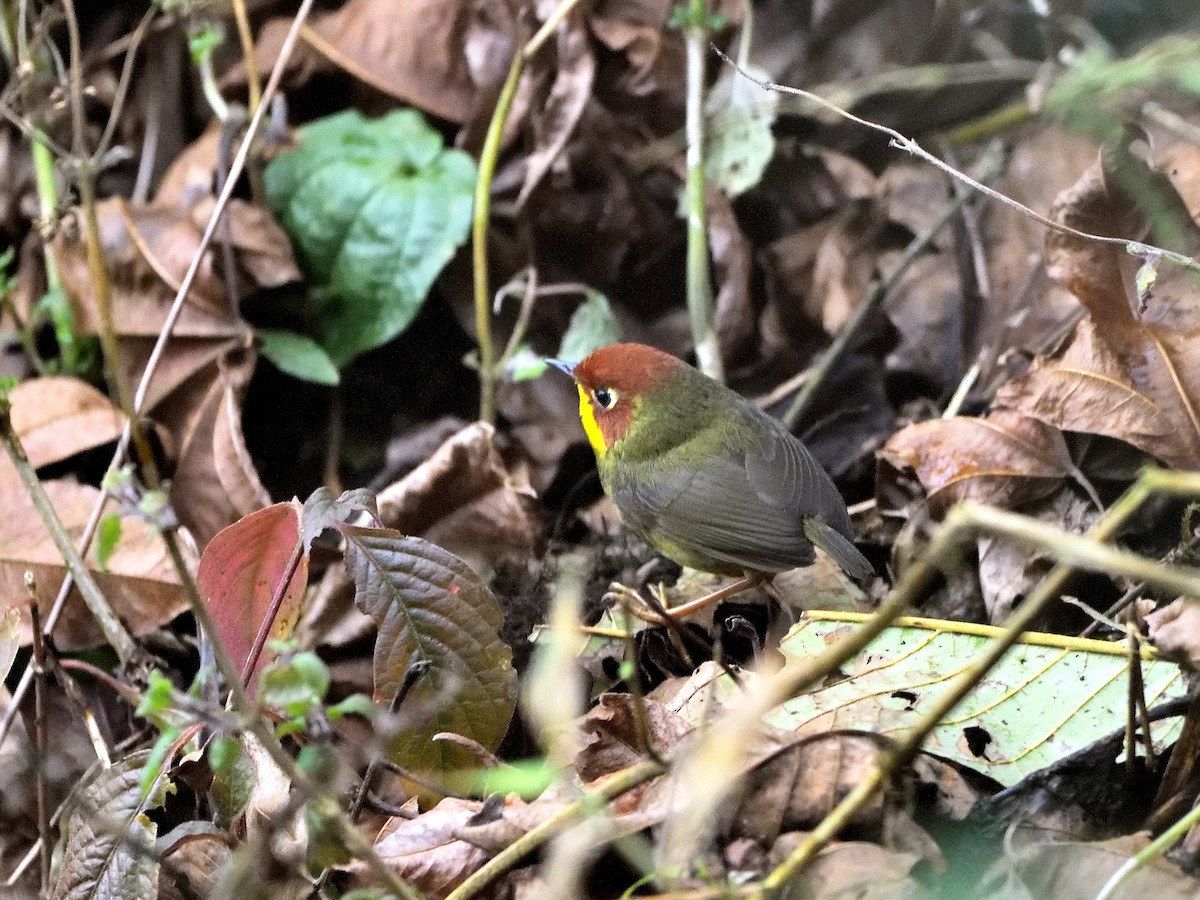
(562, 365)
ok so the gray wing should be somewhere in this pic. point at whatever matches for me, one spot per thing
(744, 508)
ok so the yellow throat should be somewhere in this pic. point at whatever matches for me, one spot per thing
(590, 426)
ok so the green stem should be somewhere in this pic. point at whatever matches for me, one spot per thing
(699, 284)
(488, 373)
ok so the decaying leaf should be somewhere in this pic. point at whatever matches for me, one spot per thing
(197, 389)
(413, 52)
(1132, 369)
(107, 841)
(1004, 459)
(439, 637)
(1175, 630)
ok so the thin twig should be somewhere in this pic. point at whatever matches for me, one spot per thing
(989, 167)
(249, 59)
(898, 140)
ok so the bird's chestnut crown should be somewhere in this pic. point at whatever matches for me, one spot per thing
(612, 382)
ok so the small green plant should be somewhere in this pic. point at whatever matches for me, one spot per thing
(375, 209)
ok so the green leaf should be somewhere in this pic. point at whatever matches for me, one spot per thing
(375, 208)
(439, 638)
(107, 538)
(525, 365)
(739, 116)
(295, 685)
(592, 326)
(299, 356)
(1048, 696)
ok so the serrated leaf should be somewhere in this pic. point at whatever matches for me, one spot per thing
(240, 571)
(107, 843)
(434, 610)
(1042, 702)
(299, 356)
(376, 208)
(592, 326)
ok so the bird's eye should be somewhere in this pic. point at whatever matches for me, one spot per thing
(606, 398)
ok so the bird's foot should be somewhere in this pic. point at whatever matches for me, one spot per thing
(657, 610)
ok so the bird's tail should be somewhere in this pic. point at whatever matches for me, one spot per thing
(839, 547)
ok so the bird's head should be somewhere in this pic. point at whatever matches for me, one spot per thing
(614, 383)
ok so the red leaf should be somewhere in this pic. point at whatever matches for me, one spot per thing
(240, 571)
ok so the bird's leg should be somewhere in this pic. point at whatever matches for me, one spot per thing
(730, 590)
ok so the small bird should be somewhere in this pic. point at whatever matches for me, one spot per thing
(701, 474)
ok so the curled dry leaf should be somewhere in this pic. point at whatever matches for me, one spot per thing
(463, 498)
(554, 118)
(1132, 369)
(413, 51)
(1004, 460)
(56, 417)
(140, 584)
(428, 851)
(611, 737)
(200, 381)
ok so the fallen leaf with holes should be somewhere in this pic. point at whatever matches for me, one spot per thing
(1040, 703)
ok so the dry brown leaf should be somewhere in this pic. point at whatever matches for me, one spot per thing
(1004, 459)
(427, 851)
(198, 386)
(733, 261)
(196, 864)
(853, 869)
(554, 119)
(140, 585)
(844, 265)
(610, 735)
(413, 51)
(192, 173)
(147, 249)
(57, 417)
(1175, 631)
(464, 499)
(1127, 372)
(215, 482)
(1071, 870)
